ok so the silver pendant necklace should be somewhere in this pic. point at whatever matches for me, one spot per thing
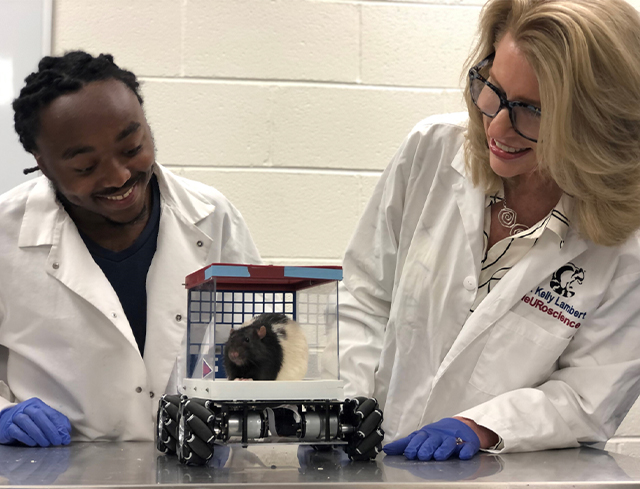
(508, 219)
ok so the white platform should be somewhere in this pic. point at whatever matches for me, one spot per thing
(264, 390)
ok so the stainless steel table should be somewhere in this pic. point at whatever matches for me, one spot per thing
(91, 465)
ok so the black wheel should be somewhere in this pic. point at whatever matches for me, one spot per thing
(167, 423)
(365, 416)
(195, 432)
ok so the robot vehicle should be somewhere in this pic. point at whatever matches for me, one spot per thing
(210, 410)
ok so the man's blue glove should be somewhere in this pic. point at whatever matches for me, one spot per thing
(440, 440)
(34, 423)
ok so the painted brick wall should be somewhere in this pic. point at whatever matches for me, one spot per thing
(291, 108)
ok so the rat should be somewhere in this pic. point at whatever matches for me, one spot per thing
(268, 347)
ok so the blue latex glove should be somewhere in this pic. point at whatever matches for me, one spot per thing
(440, 440)
(34, 423)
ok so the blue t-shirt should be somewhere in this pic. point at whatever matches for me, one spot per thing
(127, 269)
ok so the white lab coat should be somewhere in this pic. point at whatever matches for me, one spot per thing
(408, 338)
(64, 336)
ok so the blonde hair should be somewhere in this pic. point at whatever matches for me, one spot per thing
(586, 56)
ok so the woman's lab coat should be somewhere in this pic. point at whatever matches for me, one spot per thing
(64, 336)
(550, 358)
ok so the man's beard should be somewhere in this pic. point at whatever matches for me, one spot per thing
(142, 215)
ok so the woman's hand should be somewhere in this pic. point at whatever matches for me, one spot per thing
(449, 437)
(487, 437)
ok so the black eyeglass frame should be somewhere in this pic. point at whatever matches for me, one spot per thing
(474, 73)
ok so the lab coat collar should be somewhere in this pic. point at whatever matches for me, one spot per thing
(458, 162)
(470, 201)
(43, 211)
(41, 214)
(192, 209)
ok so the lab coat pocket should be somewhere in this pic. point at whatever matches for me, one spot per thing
(518, 354)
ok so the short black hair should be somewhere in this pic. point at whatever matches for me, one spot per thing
(59, 75)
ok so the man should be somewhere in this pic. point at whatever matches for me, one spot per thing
(93, 257)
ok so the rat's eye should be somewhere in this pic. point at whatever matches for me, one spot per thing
(246, 339)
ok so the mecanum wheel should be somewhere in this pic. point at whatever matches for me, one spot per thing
(195, 435)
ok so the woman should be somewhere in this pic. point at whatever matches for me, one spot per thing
(492, 288)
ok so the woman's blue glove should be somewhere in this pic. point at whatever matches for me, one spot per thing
(34, 423)
(440, 440)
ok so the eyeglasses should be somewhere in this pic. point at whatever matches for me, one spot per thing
(525, 118)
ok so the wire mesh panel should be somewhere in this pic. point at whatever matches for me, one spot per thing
(214, 314)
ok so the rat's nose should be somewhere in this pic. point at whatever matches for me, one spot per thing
(233, 355)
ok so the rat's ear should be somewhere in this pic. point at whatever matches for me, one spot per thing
(262, 332)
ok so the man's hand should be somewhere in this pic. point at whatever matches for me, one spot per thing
(440, 440)
(34, 423)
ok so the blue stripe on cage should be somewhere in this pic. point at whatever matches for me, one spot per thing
(318, 273)
(220, 372)
(226, 271)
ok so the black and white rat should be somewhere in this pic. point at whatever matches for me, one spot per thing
(269, 347)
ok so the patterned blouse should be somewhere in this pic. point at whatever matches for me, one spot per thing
(503, 255)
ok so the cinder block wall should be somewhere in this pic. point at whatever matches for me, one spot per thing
(291, 108)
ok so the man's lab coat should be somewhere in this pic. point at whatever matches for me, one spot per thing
(64, 336)
(550, 358)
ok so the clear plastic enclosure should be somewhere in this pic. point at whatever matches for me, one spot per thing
(222, 297)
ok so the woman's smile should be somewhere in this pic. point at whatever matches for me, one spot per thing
(506, 152)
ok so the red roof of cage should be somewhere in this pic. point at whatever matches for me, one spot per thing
(233, 276)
